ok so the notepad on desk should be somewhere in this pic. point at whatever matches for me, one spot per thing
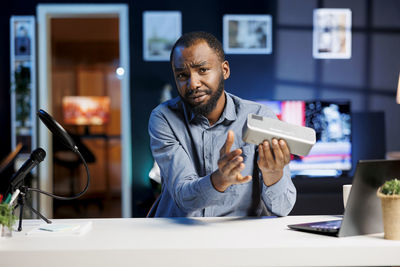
(61, 229)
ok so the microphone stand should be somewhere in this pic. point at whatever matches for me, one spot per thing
(22, 202)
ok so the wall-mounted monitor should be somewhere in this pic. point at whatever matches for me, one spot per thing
(331, 155)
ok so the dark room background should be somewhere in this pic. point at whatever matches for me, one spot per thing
(368, 79)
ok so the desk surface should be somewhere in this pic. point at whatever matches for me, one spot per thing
(196, 242)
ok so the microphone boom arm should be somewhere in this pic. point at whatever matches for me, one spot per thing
(17, 181)
(71, 197)
(65, 138)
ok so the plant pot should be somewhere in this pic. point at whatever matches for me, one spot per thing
(5, 231)
(391, 215)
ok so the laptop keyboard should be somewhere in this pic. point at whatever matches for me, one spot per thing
(330, 225)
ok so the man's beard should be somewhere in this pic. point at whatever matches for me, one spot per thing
(207, 108)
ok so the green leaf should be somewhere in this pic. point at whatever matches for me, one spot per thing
(391, 187)
(7, 217)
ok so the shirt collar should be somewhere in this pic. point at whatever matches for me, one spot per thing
(229, 112)
(230, 109)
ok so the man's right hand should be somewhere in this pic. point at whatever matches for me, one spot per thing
(230, 164)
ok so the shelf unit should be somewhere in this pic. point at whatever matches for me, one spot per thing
(23, 93)
(23, 83)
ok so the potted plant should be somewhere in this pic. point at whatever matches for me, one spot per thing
(389, 193)
(7, 219)
(22, 81)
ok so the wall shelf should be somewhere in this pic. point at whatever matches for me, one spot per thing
(23, 83)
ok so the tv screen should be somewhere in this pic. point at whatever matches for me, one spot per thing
(331, 120)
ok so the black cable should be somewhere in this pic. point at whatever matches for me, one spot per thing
(72, 197)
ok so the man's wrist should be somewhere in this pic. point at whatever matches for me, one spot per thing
(271, 178)
(217, 182)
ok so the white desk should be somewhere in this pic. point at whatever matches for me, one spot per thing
(197, 242)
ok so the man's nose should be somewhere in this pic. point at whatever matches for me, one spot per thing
(194, 82)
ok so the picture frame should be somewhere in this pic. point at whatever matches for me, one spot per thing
(247, 34)
(332, 33)
(23, 35)
(161, 29)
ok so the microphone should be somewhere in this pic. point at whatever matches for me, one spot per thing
(57, 129)
(36, 157)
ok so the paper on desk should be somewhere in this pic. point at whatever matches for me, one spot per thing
(61, 229)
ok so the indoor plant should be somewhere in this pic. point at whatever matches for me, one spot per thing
(7, 219)
(389, 193)
(22, 81)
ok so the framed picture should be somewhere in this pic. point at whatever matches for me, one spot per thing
(23, 35)
(247, 34)
(161, 29)
(332, 33)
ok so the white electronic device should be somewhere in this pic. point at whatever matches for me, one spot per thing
(299, 139)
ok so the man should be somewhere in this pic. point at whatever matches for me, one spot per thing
(196, 139)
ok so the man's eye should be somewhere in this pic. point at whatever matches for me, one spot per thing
(180, 76)
(203, 70)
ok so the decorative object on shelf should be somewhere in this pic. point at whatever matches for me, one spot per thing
(389, 193)
(7, 219)
(161, 29)
(22, 81)
(247, 34)
(332, 33)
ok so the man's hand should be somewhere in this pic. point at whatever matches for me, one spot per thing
(272, 160)
(230, 164)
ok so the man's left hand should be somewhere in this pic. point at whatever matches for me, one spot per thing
(272, 159)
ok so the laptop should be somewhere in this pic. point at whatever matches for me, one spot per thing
(363, 213)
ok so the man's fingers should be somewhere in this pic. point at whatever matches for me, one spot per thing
(285, 150)
(279, 160)
(237, 168)
(229, 141)
(226, 158)
(269, 158)
(239, 177)
(226, 148)
(242, 180)
(261, 155)
(231, 165)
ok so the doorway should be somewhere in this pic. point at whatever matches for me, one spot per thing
(83, 53)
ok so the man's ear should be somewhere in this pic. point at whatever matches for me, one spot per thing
(226, 71)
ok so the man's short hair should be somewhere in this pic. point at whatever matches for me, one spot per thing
(191, 38)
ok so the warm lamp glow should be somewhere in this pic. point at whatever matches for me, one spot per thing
(398, 91)
(86, 110)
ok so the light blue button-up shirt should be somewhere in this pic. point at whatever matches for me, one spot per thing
(186, 148)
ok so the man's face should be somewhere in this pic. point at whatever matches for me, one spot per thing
(199, 76)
